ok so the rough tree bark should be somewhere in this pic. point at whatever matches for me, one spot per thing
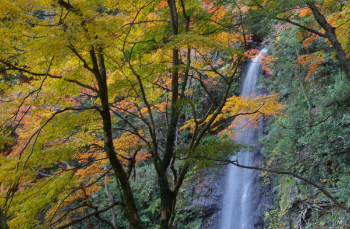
(99, 71)
(167, 196)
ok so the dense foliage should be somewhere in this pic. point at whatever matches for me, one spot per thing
(93, 87)
(109, 108)
(313, 139)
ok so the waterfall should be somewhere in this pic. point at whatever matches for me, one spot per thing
(239, 204)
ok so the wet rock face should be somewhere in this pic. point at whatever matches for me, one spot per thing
(201, 200)
(207, 197)
(211, 219)
(262, 201)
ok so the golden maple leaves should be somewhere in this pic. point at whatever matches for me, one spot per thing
(251, 108)
(69, 149)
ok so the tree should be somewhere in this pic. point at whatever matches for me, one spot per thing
(313, 141)
(96, 83)
(326, 19)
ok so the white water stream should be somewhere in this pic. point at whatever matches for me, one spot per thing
(238, 205)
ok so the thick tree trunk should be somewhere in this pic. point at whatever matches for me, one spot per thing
(332, 37)
(89, 221)
(166, 195)
(100, 74)
(118, 168)
(166, 206)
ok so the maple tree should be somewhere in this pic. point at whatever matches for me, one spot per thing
(90, 87)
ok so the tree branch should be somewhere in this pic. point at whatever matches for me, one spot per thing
(324, 191)
(46, 122)
(302, 26)
(89, 215)
(13, 67)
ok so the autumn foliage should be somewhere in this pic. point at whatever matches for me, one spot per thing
(94, 87)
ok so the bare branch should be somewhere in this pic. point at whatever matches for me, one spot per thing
(72, 48)
(140, 22)
(323, 190)
(13, 67)
(302, 26)
(76, 189)
(89, 215)
(217, 111)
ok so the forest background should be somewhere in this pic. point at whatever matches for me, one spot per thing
(107, 107)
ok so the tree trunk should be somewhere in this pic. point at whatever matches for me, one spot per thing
(88, 220)
(111, 201)
(332, 37)
(101, 78)
(118, 168)
(166, 195)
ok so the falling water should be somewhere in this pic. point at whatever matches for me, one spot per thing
(238, 205)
